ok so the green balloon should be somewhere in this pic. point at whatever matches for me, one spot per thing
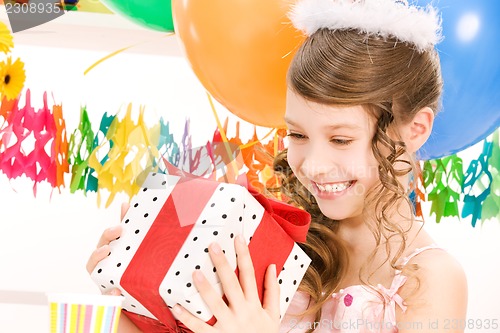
(153, 14)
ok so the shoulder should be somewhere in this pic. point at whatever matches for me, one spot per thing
(437, 267)
(436, 289)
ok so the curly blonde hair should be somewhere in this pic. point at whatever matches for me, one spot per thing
(393, 81)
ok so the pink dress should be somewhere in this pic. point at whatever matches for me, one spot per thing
(358, 308)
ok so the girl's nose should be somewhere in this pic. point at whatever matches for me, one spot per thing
(318, 164)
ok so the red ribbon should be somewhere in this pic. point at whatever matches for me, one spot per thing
(160, 246)
(294, 221)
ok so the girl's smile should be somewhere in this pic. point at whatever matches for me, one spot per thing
(331, 190)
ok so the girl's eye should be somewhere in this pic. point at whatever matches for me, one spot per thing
(296, 136)
(342, 142)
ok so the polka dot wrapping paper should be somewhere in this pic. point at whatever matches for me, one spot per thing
(166, 234)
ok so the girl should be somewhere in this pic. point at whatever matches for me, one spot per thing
(363, 91)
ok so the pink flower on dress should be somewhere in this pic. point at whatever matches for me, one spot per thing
(348, 299)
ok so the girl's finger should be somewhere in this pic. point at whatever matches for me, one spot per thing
(113, 292)
(124, 208)
(109, 234)
(213, 299)
(246, 270)
(271, 302)
(190, 321)
(96, 256)
(228, 279)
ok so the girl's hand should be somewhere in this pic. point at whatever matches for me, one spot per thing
(102, 249)
(245, 313)
(101, 252)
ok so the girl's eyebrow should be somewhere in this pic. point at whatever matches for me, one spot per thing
(345, 125)
(350, 126)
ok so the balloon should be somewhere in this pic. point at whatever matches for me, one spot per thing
(153, 14)
(470, 62)
(240, 51)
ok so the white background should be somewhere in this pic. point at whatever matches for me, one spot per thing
(46, 240)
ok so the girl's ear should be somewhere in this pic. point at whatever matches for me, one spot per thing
(418, 130)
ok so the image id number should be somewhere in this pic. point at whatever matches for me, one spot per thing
(471, 324)
(32, 8)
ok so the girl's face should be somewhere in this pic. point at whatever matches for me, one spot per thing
(330, 152)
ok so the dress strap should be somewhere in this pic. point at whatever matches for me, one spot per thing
(416, 252)
(399, 280)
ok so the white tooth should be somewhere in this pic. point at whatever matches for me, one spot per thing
(332, 188)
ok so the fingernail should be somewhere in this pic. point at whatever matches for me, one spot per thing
(115, 292)
(177, 309)
(240, 239)
(272, 267)
(103, 249)
(111, 293)
(115, 228)
(215, 248)
(198, 276)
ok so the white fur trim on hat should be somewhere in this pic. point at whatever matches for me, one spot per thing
(420, 26)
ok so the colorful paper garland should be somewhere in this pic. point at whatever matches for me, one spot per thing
(44, 131)
(116, 156)
(478, 188)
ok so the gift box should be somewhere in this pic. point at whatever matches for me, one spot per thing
(166, 234)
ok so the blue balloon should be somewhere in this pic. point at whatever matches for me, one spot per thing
(470, 62)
